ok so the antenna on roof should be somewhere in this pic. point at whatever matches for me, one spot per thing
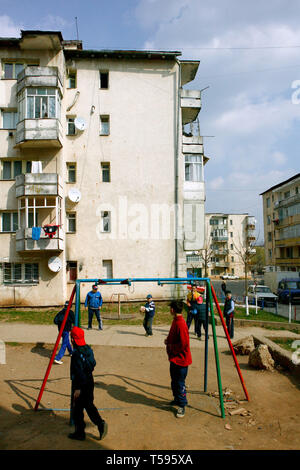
(76, 28)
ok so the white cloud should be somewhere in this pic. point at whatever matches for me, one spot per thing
(8, 28)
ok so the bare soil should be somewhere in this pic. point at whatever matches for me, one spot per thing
(132, 391)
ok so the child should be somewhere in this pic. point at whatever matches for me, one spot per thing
(149, 310)
(179, 355)
(229, 313)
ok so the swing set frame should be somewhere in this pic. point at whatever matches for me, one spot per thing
(210, 298)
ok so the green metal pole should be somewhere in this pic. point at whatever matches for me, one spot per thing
(216, 351)
(77, 305)
(206, 340)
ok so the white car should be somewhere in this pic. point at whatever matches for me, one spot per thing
(229, 276)
(264, 295)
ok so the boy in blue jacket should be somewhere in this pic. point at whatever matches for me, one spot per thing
(94, 303)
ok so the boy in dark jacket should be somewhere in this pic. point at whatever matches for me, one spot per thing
(179, 354)
(229, 313)
(65, 334)
(82, 366)
(149, 310)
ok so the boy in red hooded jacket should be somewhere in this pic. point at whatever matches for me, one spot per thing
(179, 354)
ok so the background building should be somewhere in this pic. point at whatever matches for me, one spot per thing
(229, 244)
(281, 211)
(102, 167)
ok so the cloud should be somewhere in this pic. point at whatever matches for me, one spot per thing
(8, 28)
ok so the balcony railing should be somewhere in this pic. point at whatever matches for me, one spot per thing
(43, 132)
(25, 242)
(38, 184)
(190, 104)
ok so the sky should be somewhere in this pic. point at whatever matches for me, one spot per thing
(249, 56)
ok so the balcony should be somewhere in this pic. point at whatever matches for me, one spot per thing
(288, 201)
(25, 243)
(219, 238)
(38, 184)
(39, 133)
(35, 76)
(190, 103)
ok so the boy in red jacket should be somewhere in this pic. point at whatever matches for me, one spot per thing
(179, 354)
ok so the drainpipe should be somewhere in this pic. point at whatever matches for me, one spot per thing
(177, 164)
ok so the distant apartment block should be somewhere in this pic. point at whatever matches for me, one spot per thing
(228, 237)
(281, 212)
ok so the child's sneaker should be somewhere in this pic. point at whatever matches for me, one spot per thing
(58, 362)
(180, 412)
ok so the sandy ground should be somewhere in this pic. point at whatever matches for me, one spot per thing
(132, 391)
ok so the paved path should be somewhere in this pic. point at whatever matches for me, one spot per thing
(114, 335)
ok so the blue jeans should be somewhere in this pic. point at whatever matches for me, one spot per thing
(64, 345)
(178, 375)
(147, 324)
(95, 311)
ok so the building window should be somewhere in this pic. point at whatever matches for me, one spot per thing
(9, 119)
(39, 103)
(20, 273)
(71, 79)
(105, 221)
(72, 270)
(9, 222)
(268, 219)
(103, 80)
(11, 69)
(269, 236)
(232, 259)
(230, 222)
(287, 194)
(231, 246)
(105, 170)
(104, 125)
(268, 202)
(11, 169)
(193, 168)
(71, 130)
(71, 172)
(231, 234)
(71, 222)
(192, 258)
(107, 268)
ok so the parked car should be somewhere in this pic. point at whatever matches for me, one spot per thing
(265, 297)
(229, 276)
(289, 289)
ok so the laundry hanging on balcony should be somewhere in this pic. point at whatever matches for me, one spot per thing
(36, 233)
(36, 167)
(50, 230)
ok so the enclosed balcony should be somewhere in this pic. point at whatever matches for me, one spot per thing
(192, 142)
(39, 93)
(38, 184)
(190, 103)
(25, 241)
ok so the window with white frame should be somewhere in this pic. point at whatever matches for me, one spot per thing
(9, 222)
(104, 125)
(9, 119)
(105, 221)
(19, 273)
(39, 103)
(193, 168)
(71, 222)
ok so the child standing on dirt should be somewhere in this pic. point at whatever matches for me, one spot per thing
(229, 313)
(149, 310)
(179, 355)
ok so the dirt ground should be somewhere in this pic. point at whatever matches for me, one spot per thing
(132, 391)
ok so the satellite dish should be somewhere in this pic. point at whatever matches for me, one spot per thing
(54, 264)
(74, 195)
(80, 123)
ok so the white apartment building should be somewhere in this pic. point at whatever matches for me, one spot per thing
(229, 241)
(102, 168)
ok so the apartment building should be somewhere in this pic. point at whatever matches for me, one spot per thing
(229, 244)
(102, 168)
(281, 212)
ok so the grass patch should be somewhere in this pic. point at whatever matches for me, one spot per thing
(285, 343)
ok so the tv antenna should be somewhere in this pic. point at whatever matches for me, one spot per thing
(76, 28)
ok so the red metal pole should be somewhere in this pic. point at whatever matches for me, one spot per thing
(54, 350)
(229, 342)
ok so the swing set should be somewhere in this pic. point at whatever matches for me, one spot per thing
(210, 298)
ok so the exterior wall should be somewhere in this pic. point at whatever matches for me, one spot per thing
(281, 209)
(143, 145)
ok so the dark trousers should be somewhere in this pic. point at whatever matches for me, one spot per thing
(193, 316)
(85, 401)
(147, 324)
(230, 325)
(178, 375)
(95, 311)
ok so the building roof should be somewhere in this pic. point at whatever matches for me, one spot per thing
(120, 54)
(289, 180)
